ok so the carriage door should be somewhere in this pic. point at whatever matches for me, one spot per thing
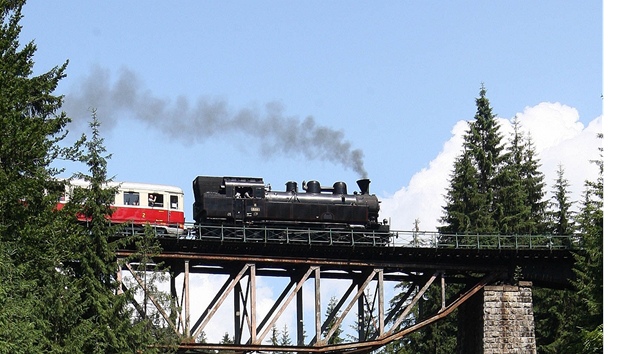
(173, 205)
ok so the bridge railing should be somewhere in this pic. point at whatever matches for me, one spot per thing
(433, 239)
(394, 238)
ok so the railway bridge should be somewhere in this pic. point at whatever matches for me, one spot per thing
(376, 288)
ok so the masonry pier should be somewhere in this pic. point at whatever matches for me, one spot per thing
(498, 319)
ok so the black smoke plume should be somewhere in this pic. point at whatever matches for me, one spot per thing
(275, 132)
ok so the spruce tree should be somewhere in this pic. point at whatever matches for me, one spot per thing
(554, 308)
(589, 267)
(562, 217)
(484, 142)
(331, 317)
(285, 337)
(32, 245)
(571, 321)
(463, 201)
(104, 319)
(511, 204)
(535, 188)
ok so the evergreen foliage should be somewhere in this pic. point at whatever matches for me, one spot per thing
(33, 292)
(535, 190)
(285, 337)
(331, 317)
(463, 202)
(103, 321)
(553, 308)
(519, 203)
(562, 217)
(484, 143)
(589, 267)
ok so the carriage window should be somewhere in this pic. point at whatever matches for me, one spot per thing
(132, 198)
(174, 202)
(156, 200)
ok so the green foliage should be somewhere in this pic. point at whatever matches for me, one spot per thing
(285, 337)
(331, 317)
(32, 247)
(470, 201)
(589, 267)
(463, 202)
(438, 337)
(571, 321)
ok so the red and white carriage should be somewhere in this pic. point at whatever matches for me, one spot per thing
(138, 204)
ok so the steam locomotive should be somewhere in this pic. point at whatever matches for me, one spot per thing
(326, 214)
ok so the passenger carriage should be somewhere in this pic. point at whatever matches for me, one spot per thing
(138, 204)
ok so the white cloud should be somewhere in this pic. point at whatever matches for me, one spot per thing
(559, 138)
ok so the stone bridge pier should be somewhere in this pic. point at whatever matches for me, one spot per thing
(498, 319)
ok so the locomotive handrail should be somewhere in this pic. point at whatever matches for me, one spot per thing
(375, 238)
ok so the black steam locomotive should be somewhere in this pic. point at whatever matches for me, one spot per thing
(246, 209)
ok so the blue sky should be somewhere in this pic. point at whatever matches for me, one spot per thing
(295, 90)
(385, 80)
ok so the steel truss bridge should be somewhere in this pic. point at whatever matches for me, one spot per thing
(308, 266)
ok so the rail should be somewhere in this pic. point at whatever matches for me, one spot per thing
(361, 237)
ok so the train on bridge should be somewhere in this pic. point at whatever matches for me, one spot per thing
(247, 209)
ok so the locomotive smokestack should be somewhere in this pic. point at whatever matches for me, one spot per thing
(364, 185)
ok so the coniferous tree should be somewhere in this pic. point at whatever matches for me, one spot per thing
(562, 217)
(285, 337)
(331, 317)
(156, 304)
(104, 322)
(520, 194)
(535, 188)
(32, 246)
(554, 308)
(275, 337)
(511, 204)
(226, 340)
(571, 321)
(484, 142)
(463, 201)
(589, 265)
(493, 189)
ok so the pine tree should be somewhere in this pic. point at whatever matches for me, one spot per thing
(589, 268)
(493, 190)
(520, 204)
(463, 201)
(285, 337)
(331, 317)
(155, 303)
(274, 340)
(104, 319)
(535, 188)
(32, 290)
(484, 142)
(511, 204)
(571, 321)
(554, 308)
(226, 340)
(562, 217)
